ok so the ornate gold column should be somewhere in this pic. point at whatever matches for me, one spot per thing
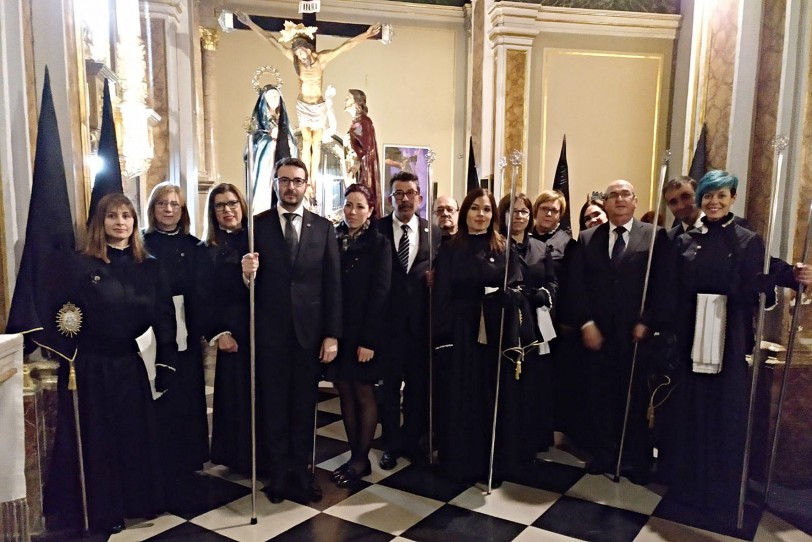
(209, 38)
(511, 36)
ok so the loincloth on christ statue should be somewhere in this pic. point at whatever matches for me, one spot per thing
(313, 116)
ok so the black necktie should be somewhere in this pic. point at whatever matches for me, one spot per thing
(620, 244)
(291, 238)
(403, 248)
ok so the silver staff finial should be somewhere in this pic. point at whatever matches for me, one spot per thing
(666, 156)
(516, 157)
(780, 143)
(430, 156)
(502, 163)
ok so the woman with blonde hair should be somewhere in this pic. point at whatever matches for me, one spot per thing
(116, 293)
(184, 263)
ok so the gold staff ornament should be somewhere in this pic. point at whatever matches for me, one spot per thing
(69, 320)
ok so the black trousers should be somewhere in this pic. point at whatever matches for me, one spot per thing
(287, 393)
(407, 361)
(607, 386)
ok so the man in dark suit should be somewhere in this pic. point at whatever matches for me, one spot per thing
(298, 323)
(608, 270)
(407, 345)
(680, 196)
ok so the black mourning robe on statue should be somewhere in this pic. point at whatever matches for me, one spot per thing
(182, 413)
(706, 464)
(465, 387)
(122, 453)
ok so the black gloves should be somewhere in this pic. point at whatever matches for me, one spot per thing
(538, 297)
(164, 377)
(766, 283)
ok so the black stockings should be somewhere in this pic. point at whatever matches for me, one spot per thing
(360, 412)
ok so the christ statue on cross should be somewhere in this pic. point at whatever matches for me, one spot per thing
(297, 45)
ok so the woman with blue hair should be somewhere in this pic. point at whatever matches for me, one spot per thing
(718, 278)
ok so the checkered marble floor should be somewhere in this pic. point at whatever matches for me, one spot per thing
(554, 501)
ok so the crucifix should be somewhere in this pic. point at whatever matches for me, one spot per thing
(297, 43)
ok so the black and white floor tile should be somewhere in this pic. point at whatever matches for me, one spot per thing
(553, 502)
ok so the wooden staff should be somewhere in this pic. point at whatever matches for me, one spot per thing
(779, 144)
(663, 173)
(515, 162)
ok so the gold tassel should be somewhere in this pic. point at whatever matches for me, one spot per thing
(650, 415)
(483, 336)
(518, 372)
(72, 377)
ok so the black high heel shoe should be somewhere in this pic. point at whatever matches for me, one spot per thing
(351, 478)
(336, 474)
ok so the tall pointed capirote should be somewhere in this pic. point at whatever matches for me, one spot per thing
(108, 178)
(562, 184)
(49, 242)
(699, 163)
(473, 176)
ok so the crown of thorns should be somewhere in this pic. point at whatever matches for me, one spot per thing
(293, 31)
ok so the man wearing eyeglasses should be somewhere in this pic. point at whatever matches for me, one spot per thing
(298, 323)
(407, 348)
(608, 270)
(446, 214)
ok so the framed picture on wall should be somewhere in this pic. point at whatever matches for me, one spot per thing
(409, 158)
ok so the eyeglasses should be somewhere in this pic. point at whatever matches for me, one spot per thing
(439, 211)
(298, 182)
(549, 211)
(521, 212)
(620, 194)
(171, 204)
(231, 204)
(399, 194)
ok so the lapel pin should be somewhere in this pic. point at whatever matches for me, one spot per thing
(308, 224)
(492, 260)
(426, 230)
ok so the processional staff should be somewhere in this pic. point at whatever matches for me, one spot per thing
(661, 182)
(430, 157)
(515, 162)
(251, 186)
(793, 330)
(779, 143)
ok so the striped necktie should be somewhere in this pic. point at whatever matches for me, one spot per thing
(403, 248)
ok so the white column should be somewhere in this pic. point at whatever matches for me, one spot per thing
(15, 148)
(743, 100)
(181, 41)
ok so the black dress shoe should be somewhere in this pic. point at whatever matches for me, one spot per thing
(303, 488)
(276, 486)
(117, 527)
(351, 477)
(389, 460)
(602, 463)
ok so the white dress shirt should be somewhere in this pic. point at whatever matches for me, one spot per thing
(613, 234)
(414, 236)
(297, 220)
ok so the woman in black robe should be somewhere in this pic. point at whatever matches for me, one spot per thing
(228, 329)
(528, 400)
(466, 337)
(720, 258)
(182, 413)
(366, 270)
(121, 293)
